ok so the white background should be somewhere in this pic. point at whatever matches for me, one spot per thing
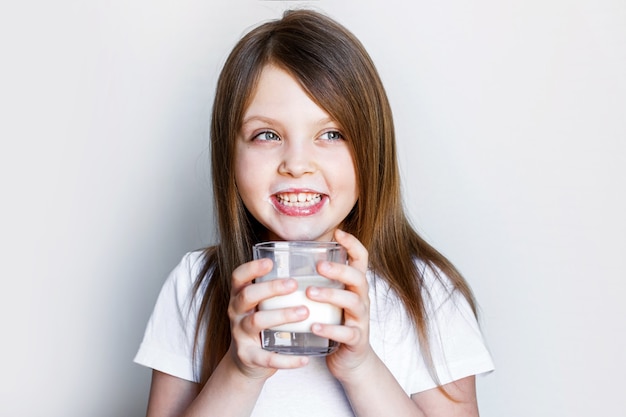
(511, 120)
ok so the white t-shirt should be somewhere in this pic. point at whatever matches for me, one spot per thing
(458, 348)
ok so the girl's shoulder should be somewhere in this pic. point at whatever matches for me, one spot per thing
(433, 278)
(193, 262)
(183, 277)
(435, 286)
(430, 277)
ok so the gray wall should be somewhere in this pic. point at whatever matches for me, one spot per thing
(511, 128)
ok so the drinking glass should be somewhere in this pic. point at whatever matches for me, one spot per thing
(298, 260)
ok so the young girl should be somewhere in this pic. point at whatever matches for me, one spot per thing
(303, 148)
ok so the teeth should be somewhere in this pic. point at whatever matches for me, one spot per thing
(299, 199)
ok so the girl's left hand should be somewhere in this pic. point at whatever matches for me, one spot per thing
(353, 335)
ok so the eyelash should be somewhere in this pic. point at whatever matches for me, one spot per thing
(336, 135)
(266, 132)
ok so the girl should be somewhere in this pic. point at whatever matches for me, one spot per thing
(303, 148)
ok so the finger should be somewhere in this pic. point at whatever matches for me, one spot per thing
(346, 335)
(247, 299)
(267, 319)
(349, 301)
(357, 253)
(244, 274)
(256, 362)
(275, 360)
(351, 277)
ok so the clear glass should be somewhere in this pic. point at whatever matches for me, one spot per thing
(298, 260)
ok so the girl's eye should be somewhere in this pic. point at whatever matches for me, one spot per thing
(267, 135)
(332, 135)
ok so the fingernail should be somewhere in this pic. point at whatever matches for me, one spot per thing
(325, 266)
(314, 291)
(301, 311)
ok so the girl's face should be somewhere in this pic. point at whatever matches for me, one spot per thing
(293, 168)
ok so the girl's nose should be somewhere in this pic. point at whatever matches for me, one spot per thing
(297, 160)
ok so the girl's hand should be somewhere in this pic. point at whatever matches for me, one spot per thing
(246, 323)
(353, 335)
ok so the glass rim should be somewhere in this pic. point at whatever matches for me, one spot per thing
(297, 244)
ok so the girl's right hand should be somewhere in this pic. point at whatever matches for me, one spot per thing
(246, 322)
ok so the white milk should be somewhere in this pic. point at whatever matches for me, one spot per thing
(318, 312)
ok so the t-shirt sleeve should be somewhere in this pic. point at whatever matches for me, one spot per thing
(167, 345)
(457, 346)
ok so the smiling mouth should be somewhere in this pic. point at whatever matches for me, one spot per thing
(302, 200)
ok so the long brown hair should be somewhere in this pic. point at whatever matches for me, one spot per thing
(336, 71)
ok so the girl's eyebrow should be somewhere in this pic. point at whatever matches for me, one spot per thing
(264, 119)
(255, 118)
(328, 121)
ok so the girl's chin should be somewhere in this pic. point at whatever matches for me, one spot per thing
(303, 236)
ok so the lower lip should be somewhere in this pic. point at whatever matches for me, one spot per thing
(299, 211)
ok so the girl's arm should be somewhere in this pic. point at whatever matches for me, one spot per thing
(373, 391)
(227, 393)
(234, 386)
(169, 395)
(434, 403)
(370, 386)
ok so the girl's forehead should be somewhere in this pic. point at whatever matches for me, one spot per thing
(279, 89)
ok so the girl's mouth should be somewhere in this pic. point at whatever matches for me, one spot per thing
(298, 203)
(299, 199)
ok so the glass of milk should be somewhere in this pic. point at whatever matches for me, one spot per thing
(298, 260)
